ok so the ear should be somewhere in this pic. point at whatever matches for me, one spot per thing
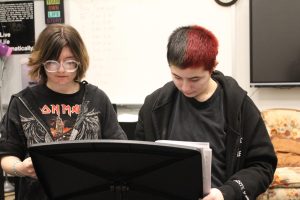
(215, 65)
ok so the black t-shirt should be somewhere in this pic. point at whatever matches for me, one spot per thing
(59, 111)
(196, 121)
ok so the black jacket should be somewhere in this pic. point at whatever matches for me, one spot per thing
(250, 156)
(22, 126)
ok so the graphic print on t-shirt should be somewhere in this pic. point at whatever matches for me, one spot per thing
(60, 119)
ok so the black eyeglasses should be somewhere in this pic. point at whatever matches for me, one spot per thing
(68, 65)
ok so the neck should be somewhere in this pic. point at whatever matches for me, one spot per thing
(211, 88)
(70, 88)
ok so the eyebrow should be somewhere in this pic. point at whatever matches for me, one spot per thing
(69, 57)
(188, 78)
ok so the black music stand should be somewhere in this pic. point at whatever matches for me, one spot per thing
(118, 169)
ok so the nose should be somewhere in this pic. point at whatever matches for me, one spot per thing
(61, 67)
(186, 86)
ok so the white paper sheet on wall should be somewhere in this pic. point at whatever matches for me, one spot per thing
(127, 40)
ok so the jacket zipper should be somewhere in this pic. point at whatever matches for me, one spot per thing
(33, 115)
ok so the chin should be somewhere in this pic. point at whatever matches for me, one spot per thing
(192, 95)
(63, 82)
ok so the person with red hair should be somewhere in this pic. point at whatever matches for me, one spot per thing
(203, 105)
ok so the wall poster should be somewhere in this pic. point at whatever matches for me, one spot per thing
(54, 11)
(17, 25)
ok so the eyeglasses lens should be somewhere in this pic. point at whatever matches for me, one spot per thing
(53, 66)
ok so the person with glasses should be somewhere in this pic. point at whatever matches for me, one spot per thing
(61, 107)
(203, 105)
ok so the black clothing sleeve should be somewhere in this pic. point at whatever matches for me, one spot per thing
(111, 127)
(13, 140)
(254, 172)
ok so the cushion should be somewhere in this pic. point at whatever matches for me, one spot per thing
(283, 126)
(286, 177)
(281, 194)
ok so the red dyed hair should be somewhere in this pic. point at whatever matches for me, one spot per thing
(192, 46)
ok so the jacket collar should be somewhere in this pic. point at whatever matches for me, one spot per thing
(234, 96)
(166, 95)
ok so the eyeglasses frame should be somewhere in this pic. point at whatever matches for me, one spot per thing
(61, 64)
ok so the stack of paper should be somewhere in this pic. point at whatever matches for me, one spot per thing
(206, 153)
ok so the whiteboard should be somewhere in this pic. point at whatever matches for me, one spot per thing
(127, 39)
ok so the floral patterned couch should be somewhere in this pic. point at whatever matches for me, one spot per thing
(284, 129)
